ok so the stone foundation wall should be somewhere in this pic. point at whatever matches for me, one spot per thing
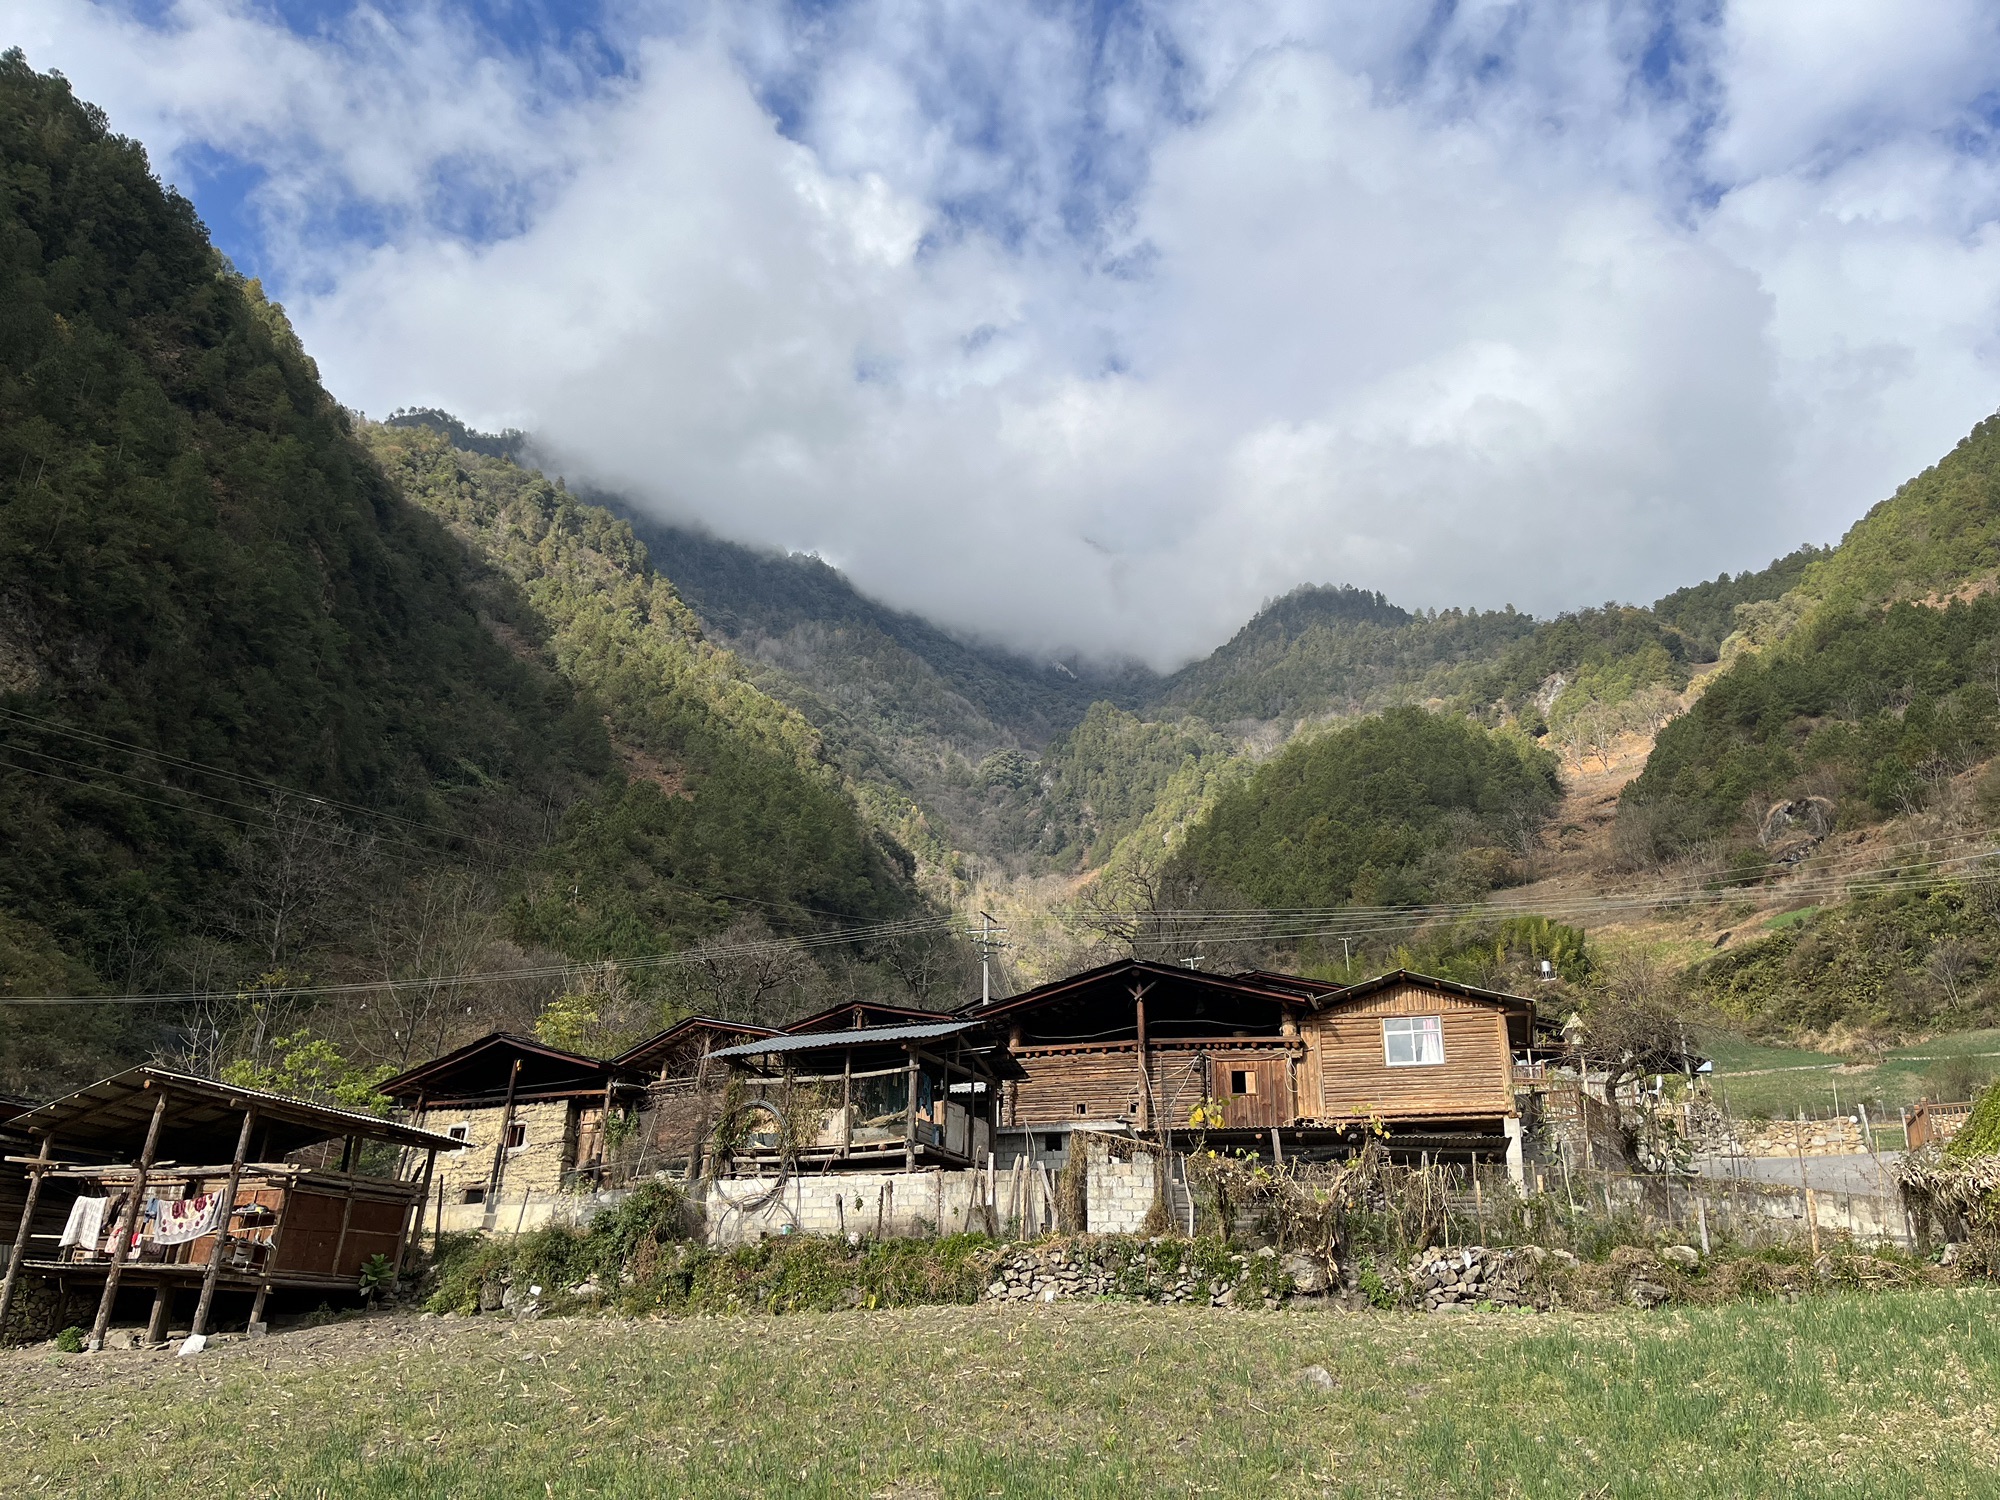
(533, 1167)
(1836, 1137)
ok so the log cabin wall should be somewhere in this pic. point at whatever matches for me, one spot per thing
(1346, 1068)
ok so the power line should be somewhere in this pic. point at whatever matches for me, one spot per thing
(263, 820)
(1248, 925)
(68, 731)
(906, 928)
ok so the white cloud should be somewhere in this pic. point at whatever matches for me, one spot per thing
(1095, 338)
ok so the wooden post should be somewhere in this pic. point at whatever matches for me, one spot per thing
(1805, 1187)
(163, 1306)
(423, 1198)
(1009, 1111)
(1701, 1220)
(910, 1120)
(128, 1225)
(347, 1221)
(221, 1247)
(499, 1172)
(19, 1252)
(846, 1103)
(1145, 1069)
(290, 1191)
(1277, 1148)
(347, 1155)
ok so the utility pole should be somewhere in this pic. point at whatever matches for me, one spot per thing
(987, 936)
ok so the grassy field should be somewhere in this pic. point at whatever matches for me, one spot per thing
(1892, 1395)
(1776, 1081)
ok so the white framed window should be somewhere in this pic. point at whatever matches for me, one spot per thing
(458, 1132)
(1413, 1041)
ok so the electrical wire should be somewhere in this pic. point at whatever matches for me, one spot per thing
(429, 855)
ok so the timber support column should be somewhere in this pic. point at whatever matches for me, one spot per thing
(499, 1173)
(1012, 1113)
(128, 1224)
(1145, 1062)
(910, 1120)
(416, 1210)
(19, 1252)
(225, 1216)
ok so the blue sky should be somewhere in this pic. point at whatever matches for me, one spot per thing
(1090, 326)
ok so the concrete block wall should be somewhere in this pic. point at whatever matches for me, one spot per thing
(1122, 1183)
(885, 1204)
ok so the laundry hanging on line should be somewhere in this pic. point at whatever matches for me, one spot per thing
(85, 1225)
(178, 1220)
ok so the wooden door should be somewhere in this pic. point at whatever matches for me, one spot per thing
(1251, 1089)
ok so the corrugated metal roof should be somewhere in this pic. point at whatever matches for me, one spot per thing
(204, 1112)
(813, 1039)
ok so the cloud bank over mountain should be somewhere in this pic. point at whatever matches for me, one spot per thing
(1089, 328)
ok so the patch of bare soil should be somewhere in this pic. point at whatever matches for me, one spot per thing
(294, 1350)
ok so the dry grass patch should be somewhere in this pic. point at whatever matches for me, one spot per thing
(1887, 1395)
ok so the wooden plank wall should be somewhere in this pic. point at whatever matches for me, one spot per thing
(1347, 1072)
(1068, 1084)
(1104, 1079)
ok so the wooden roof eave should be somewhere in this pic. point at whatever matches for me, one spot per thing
(1064, 988)
(97, 1117)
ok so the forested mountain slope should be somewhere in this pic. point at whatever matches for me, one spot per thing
(726, 797)
(1880, 684)
(256, 708)
(935, 730)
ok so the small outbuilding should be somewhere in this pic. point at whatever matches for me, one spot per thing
(908, 1096)
(190, 1186)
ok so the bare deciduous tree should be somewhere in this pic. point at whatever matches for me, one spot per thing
(743, 974)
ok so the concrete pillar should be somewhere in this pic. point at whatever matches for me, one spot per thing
(1516, 1166)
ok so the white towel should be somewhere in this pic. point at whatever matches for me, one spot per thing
(86, 1223)
(179, 1220)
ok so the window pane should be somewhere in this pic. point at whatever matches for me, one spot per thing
(1430, 1039)
(1412, 1041)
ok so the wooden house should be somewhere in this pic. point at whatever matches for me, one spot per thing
(1264, 1060)
(856, 1015)
(881, 1096)
(527, 1121)
(1431, 1059)
(684, 1091)
(163, 1181)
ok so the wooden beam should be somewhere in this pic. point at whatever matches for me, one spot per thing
(403, 1240)
(910, 1118)
(128, 1225)
(163, 1307)
(499, 1172)
(846, 1101)
(1145, 1069)
(346, 1219)
(220, 1249)
(19, 1253)
(271, 1254)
